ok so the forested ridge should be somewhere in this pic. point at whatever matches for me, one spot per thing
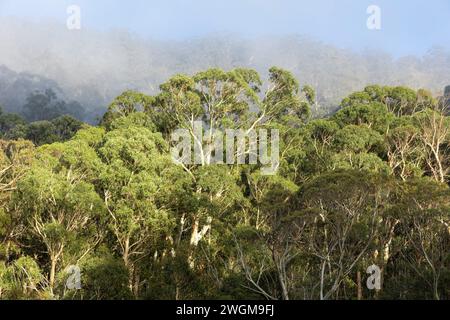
(93, 67)
(368, 185)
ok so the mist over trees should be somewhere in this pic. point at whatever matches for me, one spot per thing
(93, 67)
(38, 98)
(87, 177)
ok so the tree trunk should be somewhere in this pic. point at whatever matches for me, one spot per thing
(283, 287)
(126, 252)
(137, 280)
(126, 261)
(436, 288)
(359, 284)
(194, 234)
(52, 273)
(322, 278)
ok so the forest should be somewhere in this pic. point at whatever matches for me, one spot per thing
(367, 185)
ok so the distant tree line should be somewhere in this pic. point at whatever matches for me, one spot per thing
(45, 119)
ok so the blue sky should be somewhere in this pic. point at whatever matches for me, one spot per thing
(408, 27)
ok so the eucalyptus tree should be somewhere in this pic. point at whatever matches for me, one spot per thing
(59, 212)
(135, 162)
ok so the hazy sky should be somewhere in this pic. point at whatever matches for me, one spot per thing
(407, 26)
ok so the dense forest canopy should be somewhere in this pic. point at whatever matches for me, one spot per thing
(368, 185)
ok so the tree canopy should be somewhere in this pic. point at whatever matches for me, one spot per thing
(368, 185)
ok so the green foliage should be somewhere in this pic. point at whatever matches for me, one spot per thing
(104, 277)
(398, 100)
(21, 279)
(47, 106)
(374, 115)
(62, 128)
(367, 185)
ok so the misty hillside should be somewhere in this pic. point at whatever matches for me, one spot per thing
(16, 87)
(93, 67)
